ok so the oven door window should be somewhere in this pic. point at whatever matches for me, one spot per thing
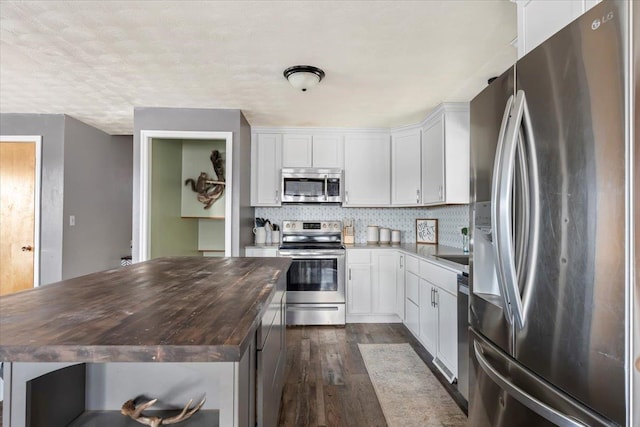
(304, 187)
(313, 275)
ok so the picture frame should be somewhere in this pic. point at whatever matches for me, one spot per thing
(427, 231)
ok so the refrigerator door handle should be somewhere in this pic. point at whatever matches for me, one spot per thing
(521, 396)
(502, 210)
(495, 217)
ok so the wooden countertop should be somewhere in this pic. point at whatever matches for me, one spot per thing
(176, 309)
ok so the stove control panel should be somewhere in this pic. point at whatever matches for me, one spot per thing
(312, 227)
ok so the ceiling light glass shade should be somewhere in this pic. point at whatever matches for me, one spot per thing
(303, 77)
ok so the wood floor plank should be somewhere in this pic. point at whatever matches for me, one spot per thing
(327, 384)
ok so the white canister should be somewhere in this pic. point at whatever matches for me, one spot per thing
(372, 234)
(395, 237)
(385, 236)
(261, 235)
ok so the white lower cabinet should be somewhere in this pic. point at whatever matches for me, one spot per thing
(428, 317)
(431, 311)
(359, 289)
(447, 353)
(372, 286)
(261, 251)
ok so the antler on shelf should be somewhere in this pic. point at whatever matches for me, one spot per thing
(130, 409)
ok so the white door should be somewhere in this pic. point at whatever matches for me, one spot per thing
(367, 170)
(296, 151)
(448, 330)
(266, 154)
(384, 281)
(328, 151)
(428, 317)
(358, 289)
(433, 162)
(406, 168)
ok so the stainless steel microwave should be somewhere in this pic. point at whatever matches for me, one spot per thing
(312, 185)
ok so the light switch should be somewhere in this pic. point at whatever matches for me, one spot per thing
(72, 220)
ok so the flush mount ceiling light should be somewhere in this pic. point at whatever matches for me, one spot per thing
(303, 77)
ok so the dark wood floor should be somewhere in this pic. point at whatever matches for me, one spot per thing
(327, 382)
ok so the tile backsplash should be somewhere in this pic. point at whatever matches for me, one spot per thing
(450, 219)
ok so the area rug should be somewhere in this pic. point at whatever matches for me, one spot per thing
(409, 394)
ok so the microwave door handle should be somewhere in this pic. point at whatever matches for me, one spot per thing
(326, 188)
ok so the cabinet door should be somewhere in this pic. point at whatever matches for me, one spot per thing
(296, 151)
(433, 162)
(358, 289)
(266, 158)
(400, 286)
(261, 252)
(428, 317)
(447, 305)
(384, 266)
(405, 168)
(540, 19)
(328, 151)
(367, 170)
(413, 318)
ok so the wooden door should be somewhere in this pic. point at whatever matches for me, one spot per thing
(17, 215)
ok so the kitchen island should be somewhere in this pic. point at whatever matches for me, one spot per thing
(173, 328)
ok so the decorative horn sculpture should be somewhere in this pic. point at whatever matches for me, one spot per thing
(135, 412)
(209, 190)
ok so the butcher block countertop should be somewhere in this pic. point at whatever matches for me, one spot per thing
(176, 309)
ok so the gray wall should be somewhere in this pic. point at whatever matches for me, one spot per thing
(87, 173)
(51, 128)
(97, 190)
(207, 120)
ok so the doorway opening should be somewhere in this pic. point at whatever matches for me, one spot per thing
(182, 210)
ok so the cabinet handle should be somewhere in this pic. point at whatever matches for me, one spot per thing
(346, 196)
(436, 298)
(401, 257)
(440, 191)
(432, 297)
(418, 196)
(277, 195)
(349, 274)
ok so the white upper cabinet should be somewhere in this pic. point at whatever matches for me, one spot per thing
(445, 155)
(296, 151)
(317, 151)
(367, 170)
(406, 168)
(328, 151)
(266, 163)
(540, 19)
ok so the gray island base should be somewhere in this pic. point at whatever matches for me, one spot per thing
(174, 329)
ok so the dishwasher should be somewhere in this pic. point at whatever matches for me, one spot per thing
(463, 334)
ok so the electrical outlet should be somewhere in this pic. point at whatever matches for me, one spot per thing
(72, 220)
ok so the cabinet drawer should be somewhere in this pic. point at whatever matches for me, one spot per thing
(445, 279)
(412, 264)
(412, 287)
(358, 256)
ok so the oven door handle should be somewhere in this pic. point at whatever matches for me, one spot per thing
(323, 254)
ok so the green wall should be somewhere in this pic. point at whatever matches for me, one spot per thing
(170, 234)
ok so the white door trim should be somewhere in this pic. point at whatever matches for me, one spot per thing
(146, 138)
(37, 139)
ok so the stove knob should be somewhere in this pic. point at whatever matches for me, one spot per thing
(288, 226)
(324, 225)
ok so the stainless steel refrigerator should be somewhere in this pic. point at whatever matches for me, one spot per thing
(552, 208)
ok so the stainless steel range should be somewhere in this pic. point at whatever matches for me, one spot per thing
(316, 278)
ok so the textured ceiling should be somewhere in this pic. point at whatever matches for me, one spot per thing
(387, 63)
